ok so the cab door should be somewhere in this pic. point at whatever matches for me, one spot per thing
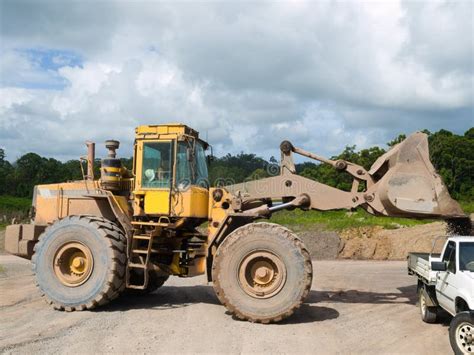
(446, 280)
(154, 174)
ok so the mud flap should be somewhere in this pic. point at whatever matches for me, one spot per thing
(430, 296)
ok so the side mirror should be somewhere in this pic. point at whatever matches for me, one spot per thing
(438, 266)
(209, 159)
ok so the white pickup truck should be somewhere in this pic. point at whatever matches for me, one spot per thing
(446, 280)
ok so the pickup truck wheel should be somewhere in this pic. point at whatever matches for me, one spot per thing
(79, 263)
(262, 272)
(428, 314)
(461, 333)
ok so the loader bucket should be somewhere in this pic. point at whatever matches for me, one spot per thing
(408, 184)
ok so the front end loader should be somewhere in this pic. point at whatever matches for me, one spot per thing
(92, 239)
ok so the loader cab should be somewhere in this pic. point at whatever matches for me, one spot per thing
(170, 169)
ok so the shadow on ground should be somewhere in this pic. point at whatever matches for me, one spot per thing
(309, 313)
(166, 297)
(169, 297)
(406, 295)
(181, 296)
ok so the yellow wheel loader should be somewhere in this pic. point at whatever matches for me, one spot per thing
(92, 239)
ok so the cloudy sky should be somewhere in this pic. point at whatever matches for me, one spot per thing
(246, 75)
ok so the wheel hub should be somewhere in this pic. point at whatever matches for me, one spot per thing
(262, 274)
(73, 264)
(465, 337)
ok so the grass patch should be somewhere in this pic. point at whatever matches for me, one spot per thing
(10, 203)
(339, 220)
(467, 206)
(13, 208)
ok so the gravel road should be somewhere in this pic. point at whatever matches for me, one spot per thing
(354, 307)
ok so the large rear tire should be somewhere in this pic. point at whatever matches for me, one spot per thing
(461, 333)
(79, 263)
(262, 272)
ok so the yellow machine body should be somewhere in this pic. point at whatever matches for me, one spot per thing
(56, 201)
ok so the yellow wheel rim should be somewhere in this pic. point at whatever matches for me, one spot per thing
(262, 274)
(73, 264)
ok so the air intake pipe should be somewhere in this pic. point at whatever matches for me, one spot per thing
(111, 167)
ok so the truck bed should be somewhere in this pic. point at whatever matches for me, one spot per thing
(419, 264)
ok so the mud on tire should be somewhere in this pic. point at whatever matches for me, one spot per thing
(106, 245)
(262, 272)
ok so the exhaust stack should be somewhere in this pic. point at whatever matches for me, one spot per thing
(90, 160)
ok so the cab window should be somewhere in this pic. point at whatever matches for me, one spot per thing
(449, 257)
(157, 165)
(202, 178)
(466, 256)
(191, 166)
(183, 167)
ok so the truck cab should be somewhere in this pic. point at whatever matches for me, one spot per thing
(454, 270)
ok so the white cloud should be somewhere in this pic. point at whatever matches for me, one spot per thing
(85, 84)
(322, 74)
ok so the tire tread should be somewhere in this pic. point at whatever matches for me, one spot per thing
(116, 273)
(232, 239)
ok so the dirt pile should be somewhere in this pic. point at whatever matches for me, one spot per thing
(377, 243)
(372, 242)
(322, 244)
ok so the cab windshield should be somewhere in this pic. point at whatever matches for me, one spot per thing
(191, 167)
(466, 256)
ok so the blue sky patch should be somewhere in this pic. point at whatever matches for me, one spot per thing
(42, 71)
(52, 59)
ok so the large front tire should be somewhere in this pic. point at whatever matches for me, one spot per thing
(461, 333)
(79, 263)
(262, 272)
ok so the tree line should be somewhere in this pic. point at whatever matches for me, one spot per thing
(451, 154)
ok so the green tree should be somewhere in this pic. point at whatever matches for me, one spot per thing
(258, 174)
(397, 140)
(453, 157)
(6, 171)
(232, 169)
(328, 175)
